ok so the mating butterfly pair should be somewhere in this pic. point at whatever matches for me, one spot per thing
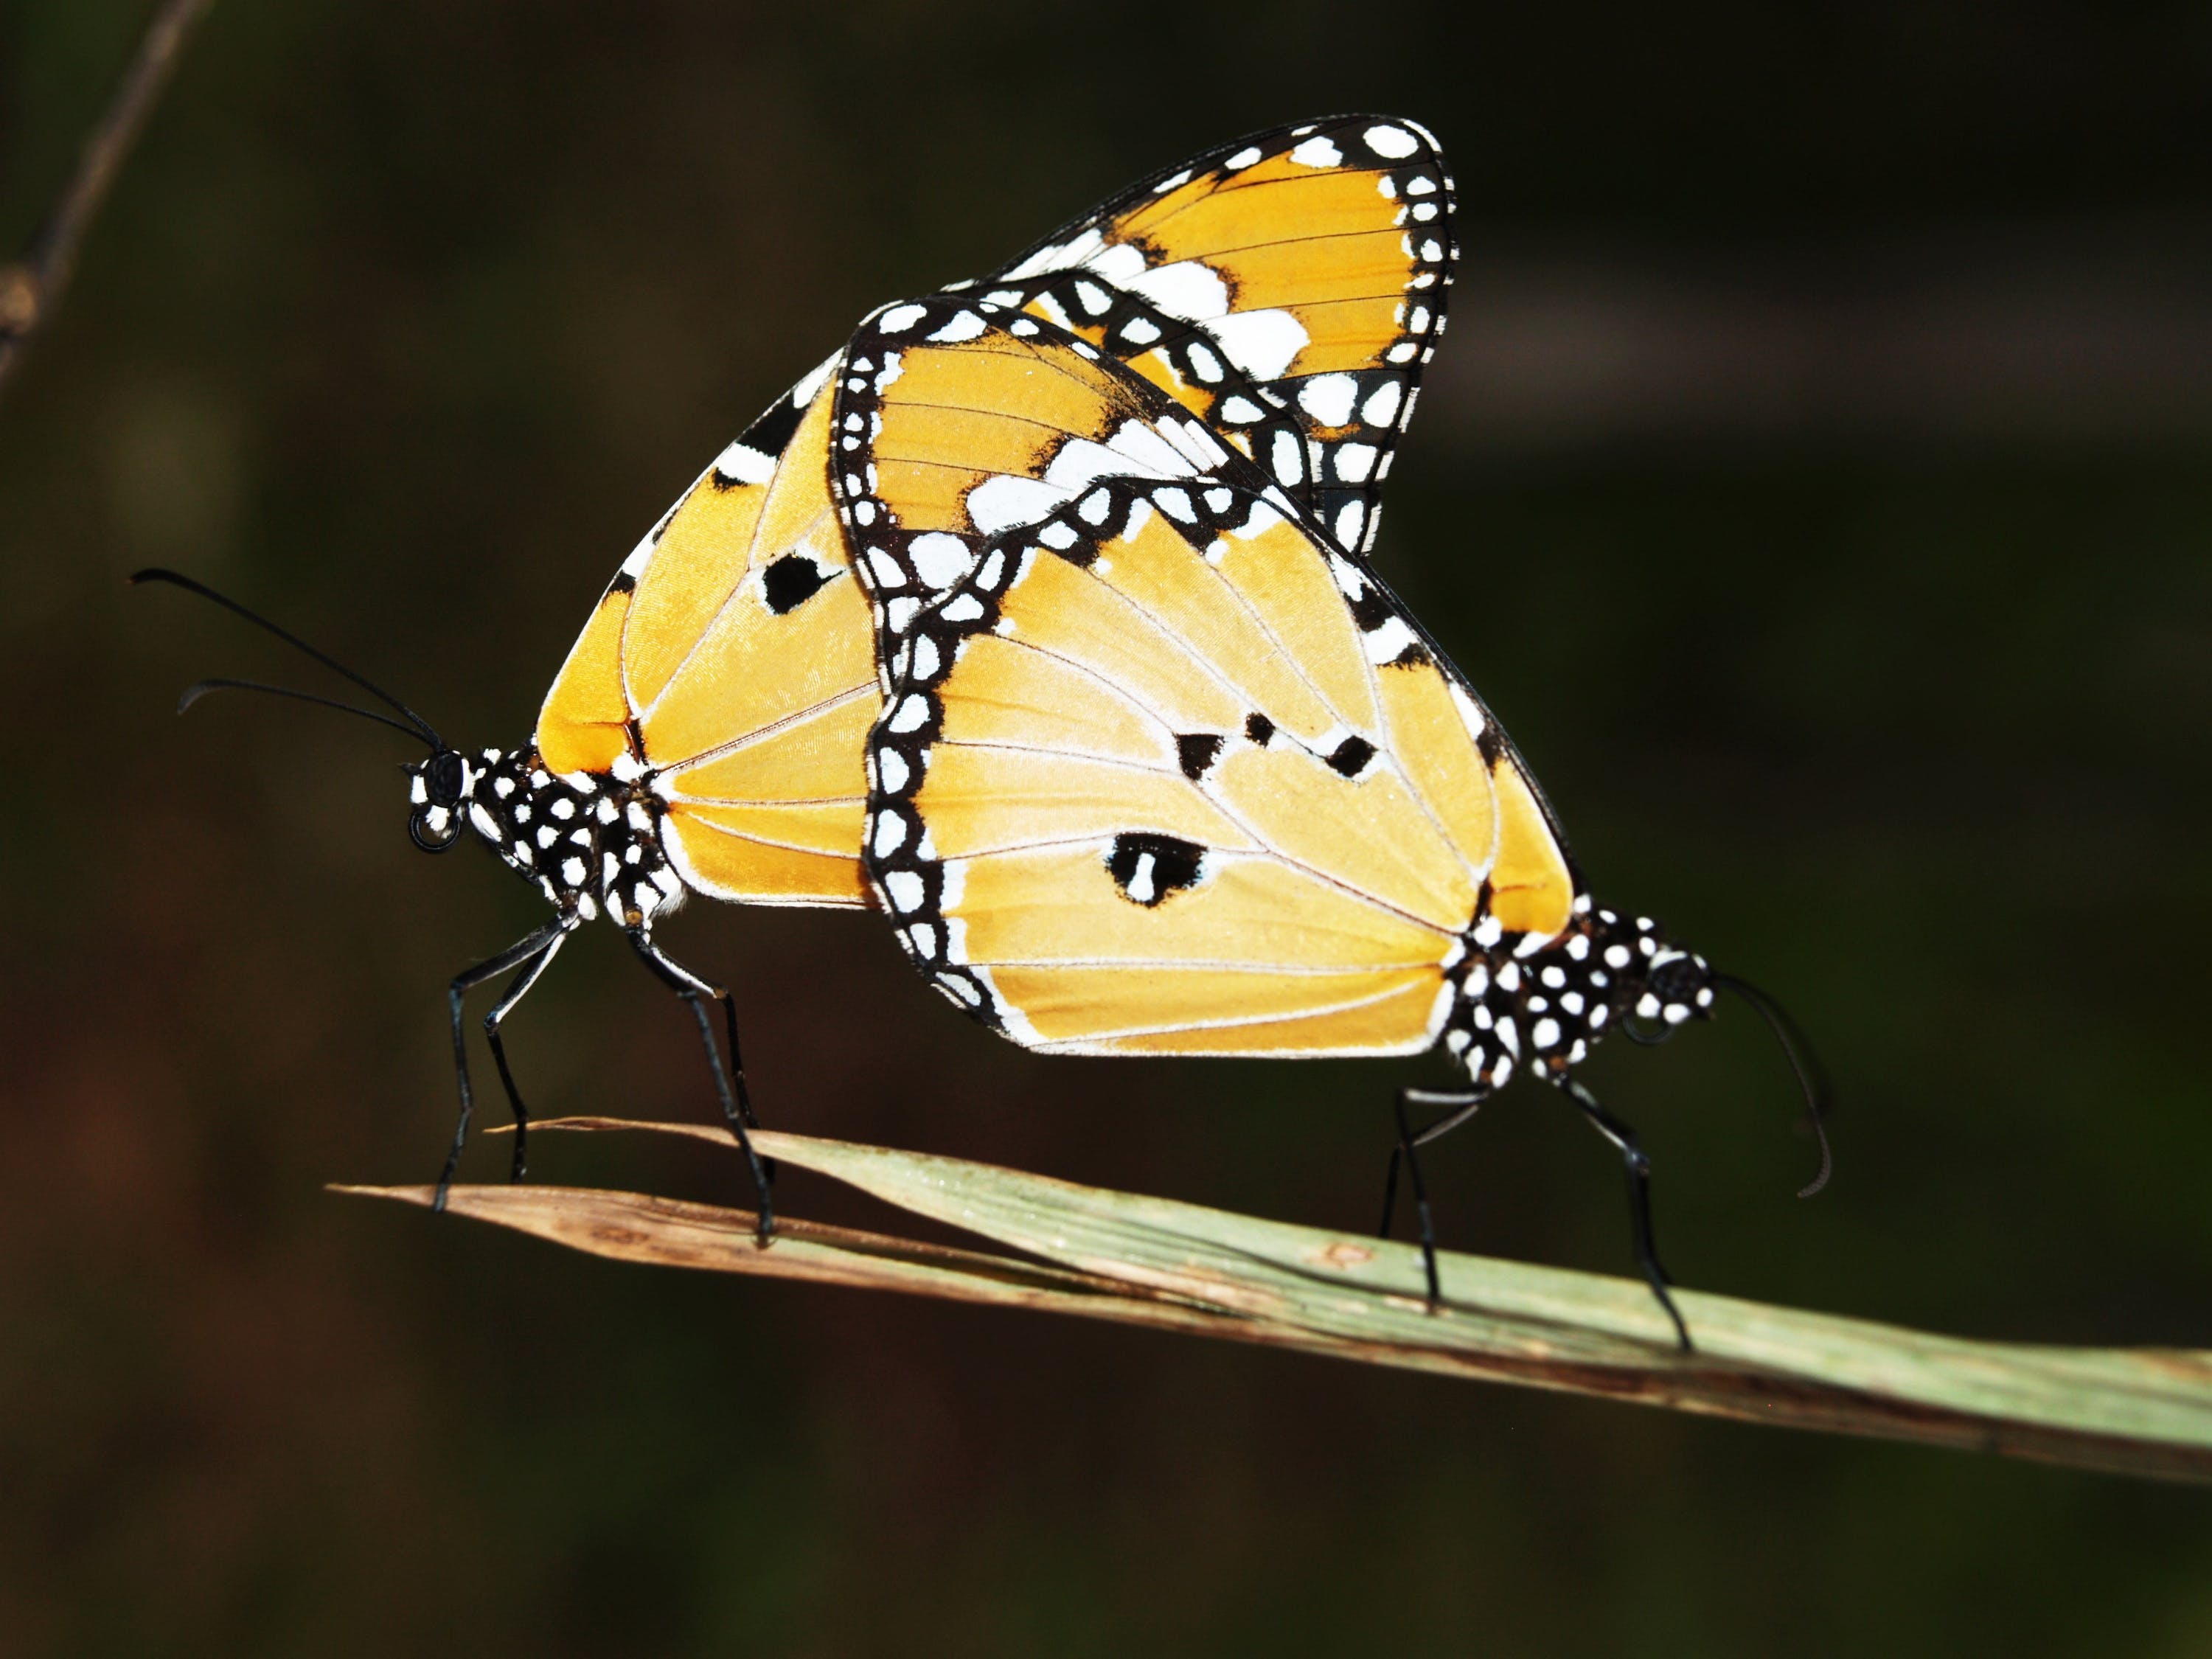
(1040, 617)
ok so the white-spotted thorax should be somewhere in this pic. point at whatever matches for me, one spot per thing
(1543, 1001)
(590, 841)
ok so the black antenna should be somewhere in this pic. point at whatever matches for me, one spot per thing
(1802, 1060)
(193, 693)
(419, 726)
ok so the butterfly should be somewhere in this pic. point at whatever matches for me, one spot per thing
(708, 730)
(1167, 770)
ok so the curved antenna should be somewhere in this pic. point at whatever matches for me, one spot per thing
(176, 579)
(194, 692)
(1810, 1077)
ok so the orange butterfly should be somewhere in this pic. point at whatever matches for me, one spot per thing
(1165, 770)
(706, 732)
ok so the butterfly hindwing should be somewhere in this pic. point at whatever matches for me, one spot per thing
(1164, 770)
(1287, 287)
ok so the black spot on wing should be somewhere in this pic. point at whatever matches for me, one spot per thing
(791, 581)
(1148, 868)
(623, 583)
(1351, 756)
(1371, 609)
(1196, 751)
(1259, 728)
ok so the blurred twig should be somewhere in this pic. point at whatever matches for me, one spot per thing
(31, 288)
(1153, 1261)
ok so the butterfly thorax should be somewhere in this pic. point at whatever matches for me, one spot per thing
(1543, 1003)
(589, 840)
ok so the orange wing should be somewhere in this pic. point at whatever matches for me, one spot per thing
(1165, 770)
(730, 662)
(1287, 289)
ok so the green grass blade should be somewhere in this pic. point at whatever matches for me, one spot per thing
(665, 1232)
(1160, 1261)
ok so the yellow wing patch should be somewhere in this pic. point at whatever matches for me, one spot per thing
(1217, 1011)
(724, 864)
(754, 669)
(831, 826)
(701, 558)
(1073, 617)
(980, 800)
(1533, 890)
(1015, 696)
(1368, 833)
(817, 755)
(1292, 588)
(1432, 725)
(1251, 915)
(585, 725)
(1215, 631)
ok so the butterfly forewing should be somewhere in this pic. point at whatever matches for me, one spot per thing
(1287, 287)
(731, 658)
(1165, 770)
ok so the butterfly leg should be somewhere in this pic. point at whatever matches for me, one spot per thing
(1464, 1104)
(1638, 1165)
(524, 954)
(737, 1107)
(517, 988)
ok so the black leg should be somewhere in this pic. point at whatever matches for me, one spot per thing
(1639, 1197)
(1466, 1103)
(467, 980)
(737, 1110)
(738, 1061)
(517, 988)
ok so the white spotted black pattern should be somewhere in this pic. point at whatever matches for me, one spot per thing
(589, 841)
(1540, 1005)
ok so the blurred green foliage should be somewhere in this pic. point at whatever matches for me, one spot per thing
(407, 320)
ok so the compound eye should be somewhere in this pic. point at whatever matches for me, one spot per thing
(446, 775)
(1676, 980)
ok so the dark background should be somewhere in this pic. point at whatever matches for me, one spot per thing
(1815, 480)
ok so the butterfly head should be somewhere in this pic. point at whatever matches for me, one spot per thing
(438, 791)
(1662, 985)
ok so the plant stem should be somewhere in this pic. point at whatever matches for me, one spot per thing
(32, 287)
